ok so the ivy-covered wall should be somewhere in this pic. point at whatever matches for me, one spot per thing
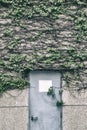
(42, 35)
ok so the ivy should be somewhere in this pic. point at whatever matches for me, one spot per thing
(8, 32)
(51, 92)
(12, 44)
(69, 58)
(81, 26)
(8, 83)
(5, 3)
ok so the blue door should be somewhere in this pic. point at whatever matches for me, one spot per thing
(44, 93)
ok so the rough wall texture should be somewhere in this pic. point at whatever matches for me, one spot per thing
(14, 110)
(43, 43)
(74, 110)
(38, 39)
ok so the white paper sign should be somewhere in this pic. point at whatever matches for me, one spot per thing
(44, 85)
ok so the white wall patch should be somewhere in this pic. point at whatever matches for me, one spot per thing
(44, 85)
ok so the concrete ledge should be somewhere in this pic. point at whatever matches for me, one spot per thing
(74, 97)
(14, 98)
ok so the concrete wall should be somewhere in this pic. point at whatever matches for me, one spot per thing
(14, 110)
(74, 110)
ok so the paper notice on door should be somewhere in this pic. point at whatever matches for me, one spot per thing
(44, 85)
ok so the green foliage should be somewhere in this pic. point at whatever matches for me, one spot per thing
(59, 103)
(51, 92)
(17, 62)
(1, 63)
(12, 44)
(70, 59)
(8, 32)
(29, 9)
(81, 26)
(5, 3)
(8, 83)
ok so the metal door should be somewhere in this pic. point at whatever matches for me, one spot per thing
(44, 114)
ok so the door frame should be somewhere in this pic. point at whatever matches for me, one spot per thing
(29, 107)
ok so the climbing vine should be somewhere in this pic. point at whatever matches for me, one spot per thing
(51, 92)
(42, 34)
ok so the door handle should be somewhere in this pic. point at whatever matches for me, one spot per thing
(34, 118)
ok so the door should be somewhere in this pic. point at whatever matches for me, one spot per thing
(44, 113)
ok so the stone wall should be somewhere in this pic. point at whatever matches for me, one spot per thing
(28, 45)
